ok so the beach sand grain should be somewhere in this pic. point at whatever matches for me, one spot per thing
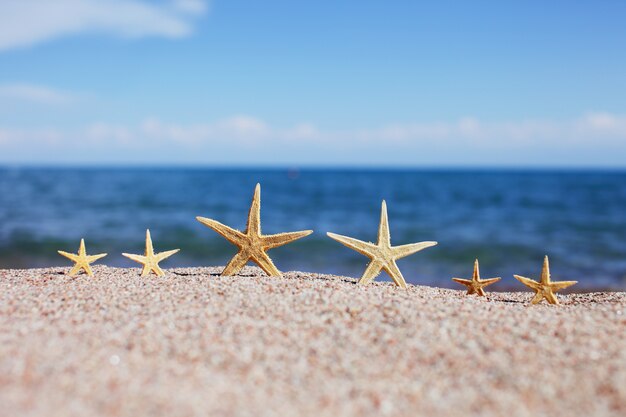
(194, 343)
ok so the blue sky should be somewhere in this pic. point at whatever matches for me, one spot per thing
(313, 83)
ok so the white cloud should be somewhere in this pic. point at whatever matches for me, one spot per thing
(191, 6)
(601, 136)
(35, 94)
(603, 122)
(47, 137)
(106, 134)
(28, 22)
(604, 127)
(238, 128)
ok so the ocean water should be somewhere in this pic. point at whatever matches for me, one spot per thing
(507, 219)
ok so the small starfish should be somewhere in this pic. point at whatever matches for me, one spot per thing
(476, 285)
(383, 256)
(151, 260)
(81, 259)
(545, 288)
(252, 244)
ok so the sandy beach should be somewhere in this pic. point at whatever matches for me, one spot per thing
(193, 343)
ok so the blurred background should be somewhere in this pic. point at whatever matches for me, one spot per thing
(498, 130)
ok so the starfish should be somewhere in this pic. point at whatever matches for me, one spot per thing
(476, 285)
(546, 288)
(383, 256)
(151, 260)
(253, 245)
(81, 259)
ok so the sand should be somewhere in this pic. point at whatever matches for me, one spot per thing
(193, 343)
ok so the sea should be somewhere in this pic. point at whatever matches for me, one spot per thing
(508, 219)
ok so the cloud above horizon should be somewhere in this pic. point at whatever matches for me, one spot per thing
(246, 136)
(35, 94)
(30, 22)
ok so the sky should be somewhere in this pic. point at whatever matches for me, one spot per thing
(318, 83)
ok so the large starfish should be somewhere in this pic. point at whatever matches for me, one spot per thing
(383, 256)
(546, 288)
(476, 285)
(81, 259)
(150, 260)
(252, 244)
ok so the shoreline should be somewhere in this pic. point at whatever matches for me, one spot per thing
(508, 286)
(194, 343)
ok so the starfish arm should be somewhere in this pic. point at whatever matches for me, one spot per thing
(81, 249)
(88, 270)
(371, 272)
(280, 239)
(266, 264)
(481, 292)
(232, 235)
(93, 258)
(395, 274)
(411, 248)
(149, 246)
(154, 267)
(551, 297)
(164, 255)
(537, 298)
(545, 271)
(489, 281)
(384, 236)
(137, 258)
(528, 282)
(235, 264)
(365, 248)
(462, 281)
(559, 285)
(254, 215)
(476, 274)
(75, 270)
(71, 256)
(145, 271)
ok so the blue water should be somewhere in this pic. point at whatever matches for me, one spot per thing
(507, 219)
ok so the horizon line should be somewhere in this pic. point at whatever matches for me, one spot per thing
(314, 167)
